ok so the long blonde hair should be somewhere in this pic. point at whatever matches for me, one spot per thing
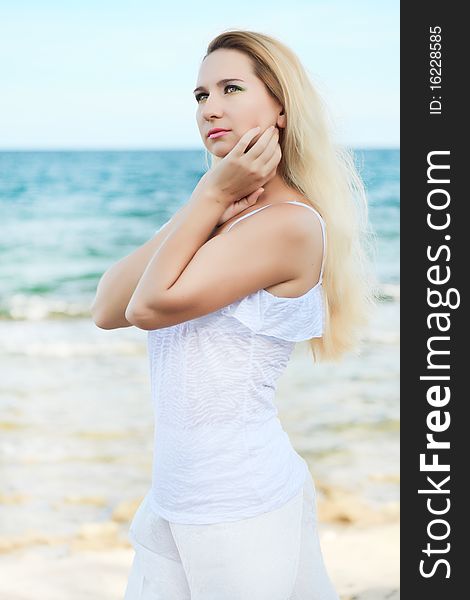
(326, 176)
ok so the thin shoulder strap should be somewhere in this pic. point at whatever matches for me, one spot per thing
(247, 215)
(162, 226)
(323, 228)
(322, 223)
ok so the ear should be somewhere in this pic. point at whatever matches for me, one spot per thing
(281, 120)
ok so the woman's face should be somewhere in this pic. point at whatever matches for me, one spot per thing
(238, 104)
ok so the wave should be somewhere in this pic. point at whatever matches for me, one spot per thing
(34, 307)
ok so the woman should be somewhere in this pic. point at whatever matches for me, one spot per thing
(225, 288)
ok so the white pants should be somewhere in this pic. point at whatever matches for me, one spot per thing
(273, 556)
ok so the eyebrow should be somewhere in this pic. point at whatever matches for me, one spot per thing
(221, 82)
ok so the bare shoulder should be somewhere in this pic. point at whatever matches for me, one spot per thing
(273, 249)
(292, 236)
(283, 221)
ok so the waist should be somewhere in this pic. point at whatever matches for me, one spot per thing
(214, 473)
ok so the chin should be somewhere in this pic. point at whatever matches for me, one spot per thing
(221, 153)
(219, 150)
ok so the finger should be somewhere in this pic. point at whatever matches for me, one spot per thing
(246, 138)
(253, 197)
(269, 148)
(262, 143)
(257, 145)
(274, 159)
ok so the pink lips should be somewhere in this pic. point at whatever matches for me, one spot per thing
(217, 134)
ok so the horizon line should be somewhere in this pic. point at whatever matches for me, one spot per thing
(160, 149)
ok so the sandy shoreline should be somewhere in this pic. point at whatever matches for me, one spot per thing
(77, 442)
(363, 563)
(360, 545)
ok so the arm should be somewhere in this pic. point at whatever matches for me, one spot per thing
(189, 277)
(119, 281)
(196, 221)
(159, 294)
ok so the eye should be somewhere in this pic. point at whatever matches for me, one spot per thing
(230, 85)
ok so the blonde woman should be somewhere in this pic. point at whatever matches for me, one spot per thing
(266, 252)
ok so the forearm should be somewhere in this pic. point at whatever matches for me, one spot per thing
(119, 281)
(190, 230)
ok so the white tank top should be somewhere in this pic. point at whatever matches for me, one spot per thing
(220, 452)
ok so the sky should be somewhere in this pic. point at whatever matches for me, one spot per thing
(101, 74)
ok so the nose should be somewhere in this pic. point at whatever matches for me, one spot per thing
(212, 107)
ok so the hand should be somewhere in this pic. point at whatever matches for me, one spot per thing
(238, 206)
(237, 179)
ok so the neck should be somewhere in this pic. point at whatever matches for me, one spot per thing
(273, 190)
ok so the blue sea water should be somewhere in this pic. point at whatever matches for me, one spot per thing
(75, 407)
(66, 216)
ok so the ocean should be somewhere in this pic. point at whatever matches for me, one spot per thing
(66, 216)
(76, 418)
